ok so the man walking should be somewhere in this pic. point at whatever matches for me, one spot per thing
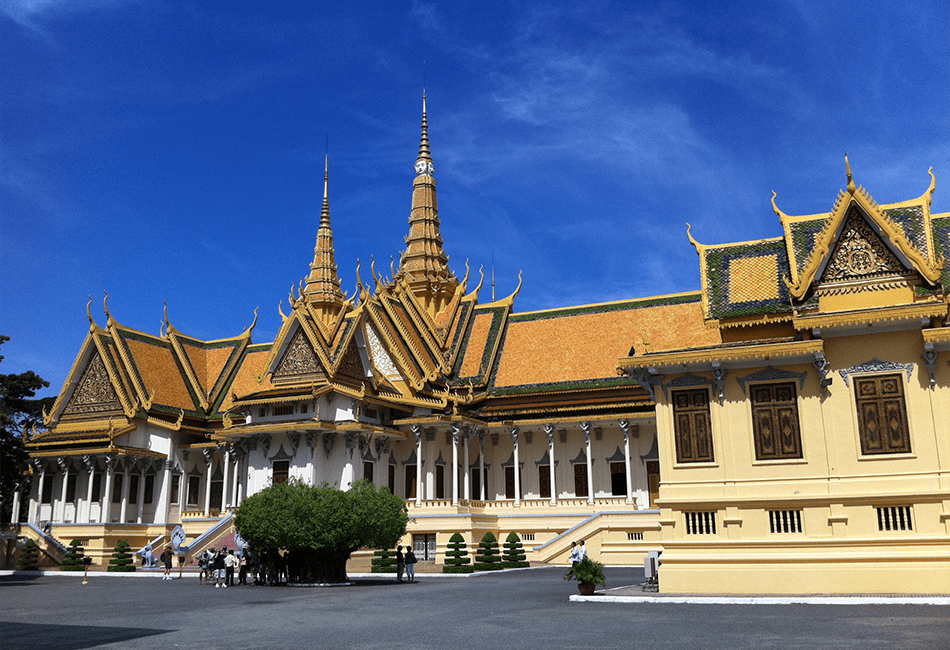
(400, 563)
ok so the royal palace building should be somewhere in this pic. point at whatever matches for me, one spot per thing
(784, 429)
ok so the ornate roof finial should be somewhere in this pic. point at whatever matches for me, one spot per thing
(423, 266)
(424, 161)
(323, 284)
(847, 166)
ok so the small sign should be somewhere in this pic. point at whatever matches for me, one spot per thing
(178, 538)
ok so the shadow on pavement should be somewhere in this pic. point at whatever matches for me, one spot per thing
(33, 636)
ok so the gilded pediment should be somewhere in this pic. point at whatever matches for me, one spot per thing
(94, 394)
(860, 254)
(299, 363)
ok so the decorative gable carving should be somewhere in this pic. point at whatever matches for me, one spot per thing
(860, 254)
(95, 393)
(351, 365)
(299, 362)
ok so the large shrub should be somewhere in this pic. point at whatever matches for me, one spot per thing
(122, 558)
(29, 556)
(486, 558)
(74, 557)
(322, 526)
(384, 562)
(514, 553)
(456, 558)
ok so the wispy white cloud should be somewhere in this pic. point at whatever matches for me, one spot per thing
(34, 14)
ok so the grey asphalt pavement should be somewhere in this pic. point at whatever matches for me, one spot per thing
(519, 609)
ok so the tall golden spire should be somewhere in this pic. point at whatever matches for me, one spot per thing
(323, 284)
(424, 266)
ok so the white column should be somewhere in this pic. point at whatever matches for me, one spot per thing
(105, 504)
(123, 510)
(33, 516)
(514, 440)
(225, 497)
(417, 432)
(456, 431)
(234, 479)
(90, 463)
(140, 497)
(549, 432)
(167, 490)
(15, 513)
(468, 440)
(625, 427)
(242, 469)
(63, 465)
(585, 427)
(481, 464)
(209, 457)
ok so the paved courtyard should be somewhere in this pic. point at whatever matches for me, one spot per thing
(519, 609)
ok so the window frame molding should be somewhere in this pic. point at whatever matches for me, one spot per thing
(714, 441)
(799, 460)
(886, 368)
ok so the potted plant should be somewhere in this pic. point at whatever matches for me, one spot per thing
(588, 574)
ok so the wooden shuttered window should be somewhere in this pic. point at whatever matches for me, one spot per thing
(882, 414)
(775, 421)
(691, 426)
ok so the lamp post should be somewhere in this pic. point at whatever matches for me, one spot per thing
(86, 561)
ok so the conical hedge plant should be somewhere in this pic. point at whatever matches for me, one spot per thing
(122, 559)
(486, 559)
(384, 562)
(456, 558)
(74, 557)
(514, 557)
(29, 557)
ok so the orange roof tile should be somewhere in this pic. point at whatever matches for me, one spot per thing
(159, 371)
(585, 343)
(475, 349)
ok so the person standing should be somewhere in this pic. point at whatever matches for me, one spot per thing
(242, 575)
(575, 554)
(167, 561)
(217, 568)
(410, 565)
(204, 567)
(229, 563)
(583, 551)
(400, 563)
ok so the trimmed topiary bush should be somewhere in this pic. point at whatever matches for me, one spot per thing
(456, 558)
(486, 559)
(514, 557)
(384, 562)
(74, 557)
(29, 557)
(122, 559)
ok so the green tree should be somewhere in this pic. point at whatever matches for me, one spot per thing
(122, 558)
(74, 557)
(18, 410)
(29, 556)
(486, 558)
(514, 552)
(456, 558)
(322, 526)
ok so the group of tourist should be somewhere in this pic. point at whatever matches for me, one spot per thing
(405, 563)
(219, 564)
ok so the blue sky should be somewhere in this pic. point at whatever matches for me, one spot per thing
(174, 150)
